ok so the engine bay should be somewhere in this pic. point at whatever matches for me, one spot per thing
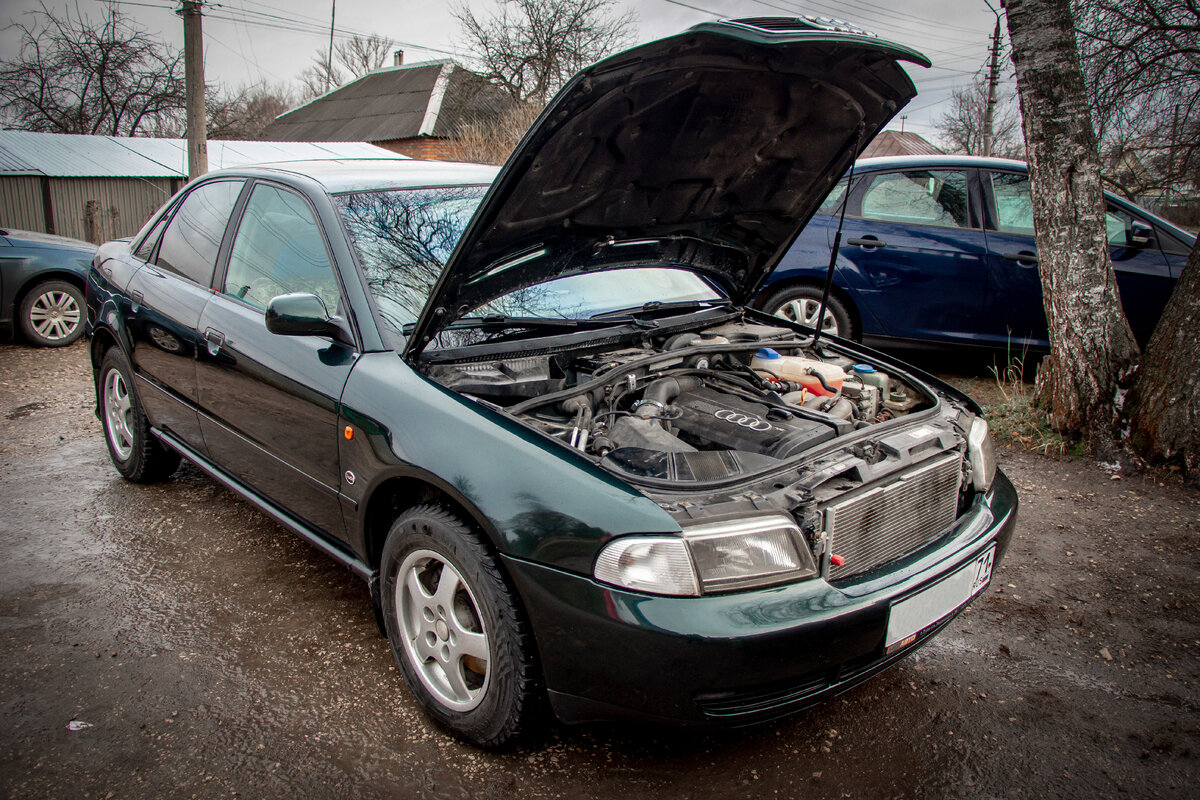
(729, 400)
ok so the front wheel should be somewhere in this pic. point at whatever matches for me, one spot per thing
(52, 314)
(803, 303)
(456, 629)
(134, 450)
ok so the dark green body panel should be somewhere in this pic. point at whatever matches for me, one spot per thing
(536, 499)
(774, 643)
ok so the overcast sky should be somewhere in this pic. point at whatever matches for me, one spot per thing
(247, 41)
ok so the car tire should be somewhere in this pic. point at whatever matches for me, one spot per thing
(801, 304)
(135, 451)
(440, 632)
(51, 314)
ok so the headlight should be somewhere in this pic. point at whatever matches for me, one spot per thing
(982, 455)
(715, 557)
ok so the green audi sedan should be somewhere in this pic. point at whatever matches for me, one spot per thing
(533, 410)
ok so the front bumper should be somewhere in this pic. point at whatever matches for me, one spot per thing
(741, 658)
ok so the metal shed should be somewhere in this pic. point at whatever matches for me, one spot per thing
(98, 188)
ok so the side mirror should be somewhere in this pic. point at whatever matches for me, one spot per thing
(1140, 234)
(303, 314)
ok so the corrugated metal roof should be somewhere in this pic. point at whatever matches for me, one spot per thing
(60, 155)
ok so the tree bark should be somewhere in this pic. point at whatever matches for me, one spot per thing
(1164, 405)
(1092, 350)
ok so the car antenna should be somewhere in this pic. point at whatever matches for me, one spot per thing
(837, 240)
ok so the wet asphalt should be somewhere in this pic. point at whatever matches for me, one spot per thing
(171, 641)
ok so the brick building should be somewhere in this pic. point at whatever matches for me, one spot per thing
(413, 109)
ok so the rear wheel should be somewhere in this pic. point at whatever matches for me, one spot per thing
(455, 628)
(803, 303)
(135, 451)
(52, 314)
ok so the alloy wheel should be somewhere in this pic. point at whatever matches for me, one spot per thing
(442, 629)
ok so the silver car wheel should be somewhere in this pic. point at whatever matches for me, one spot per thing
(442, 630)
(54, 315)
(118, 414)
(804, 310)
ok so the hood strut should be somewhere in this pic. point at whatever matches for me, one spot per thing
(837, 241)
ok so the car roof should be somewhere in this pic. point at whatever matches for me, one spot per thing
(373, 174)
(890, 162)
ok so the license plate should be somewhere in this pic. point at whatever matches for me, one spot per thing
(930, 606)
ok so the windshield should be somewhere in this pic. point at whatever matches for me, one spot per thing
(403, 238)
(584, 296)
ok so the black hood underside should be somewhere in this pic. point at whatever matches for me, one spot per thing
(708, 151)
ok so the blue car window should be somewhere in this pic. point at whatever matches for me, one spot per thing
(278, 250)
(1014, 206)
(923, 197)
(833, 201)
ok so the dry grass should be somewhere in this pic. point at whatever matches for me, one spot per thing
(1013, 414)
(491, 141)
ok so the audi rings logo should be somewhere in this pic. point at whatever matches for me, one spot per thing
(744, 420)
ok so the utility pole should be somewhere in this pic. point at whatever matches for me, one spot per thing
(193, 68)
(993, 81)
(329, 62)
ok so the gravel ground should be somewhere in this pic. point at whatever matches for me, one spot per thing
(171, 641)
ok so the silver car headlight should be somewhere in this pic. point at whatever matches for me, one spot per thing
(709, 558)
(982, 455)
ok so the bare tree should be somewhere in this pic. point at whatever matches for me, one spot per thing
(362, 54)
(352, 59)
(532, 47)
(244, 113)
(1093, 352)
(76, 75)
(1142, 62)
(962, 126)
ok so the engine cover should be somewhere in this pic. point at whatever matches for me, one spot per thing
(709, 418)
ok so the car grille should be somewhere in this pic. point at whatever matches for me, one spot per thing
(896, 518)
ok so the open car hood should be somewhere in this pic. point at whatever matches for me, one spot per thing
(707, 151)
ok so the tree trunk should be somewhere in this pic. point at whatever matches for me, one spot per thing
(1091, 347)
(1164, 405)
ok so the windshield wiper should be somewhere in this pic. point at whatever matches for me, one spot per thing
(655, 306)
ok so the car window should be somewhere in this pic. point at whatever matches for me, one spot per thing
(402, 238)
(279, 249)
(192, 239)
(1014, 206)
(924, 197)
(833, 201)
(144, 249)
(582, 296)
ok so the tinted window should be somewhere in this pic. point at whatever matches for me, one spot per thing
(193, 237)
(582, 296)
(1014, 207)
(278, 249)
(925, 197)
(403, 238)
(147, 246)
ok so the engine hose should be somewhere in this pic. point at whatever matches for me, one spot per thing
(837, 393)
(661, 392)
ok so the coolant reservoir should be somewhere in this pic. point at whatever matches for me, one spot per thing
(801, 370)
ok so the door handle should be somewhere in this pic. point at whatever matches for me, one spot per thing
(1024, 258)
(869, 242)
(215, 339)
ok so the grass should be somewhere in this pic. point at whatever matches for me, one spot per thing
(1009, 400)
